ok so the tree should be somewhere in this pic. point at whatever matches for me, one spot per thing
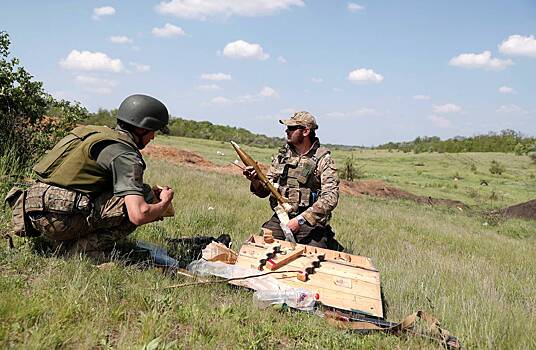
(30, 119)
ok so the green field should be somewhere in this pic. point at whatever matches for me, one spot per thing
(477, 277)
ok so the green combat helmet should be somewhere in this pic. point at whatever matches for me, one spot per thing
(144, 112)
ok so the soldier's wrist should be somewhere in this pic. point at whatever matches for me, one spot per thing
(301, 220)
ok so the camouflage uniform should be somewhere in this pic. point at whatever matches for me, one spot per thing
(78, 199)
(311, 184)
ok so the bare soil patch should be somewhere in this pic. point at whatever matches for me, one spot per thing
(376, 188)
(177, 156)
(526, 210)
(188, 158)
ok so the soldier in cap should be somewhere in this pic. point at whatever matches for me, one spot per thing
(305, 173)
(89, 191)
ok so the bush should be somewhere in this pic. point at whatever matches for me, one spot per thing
(496, 168)
(473, 168)
(351, 171)
(31, 121)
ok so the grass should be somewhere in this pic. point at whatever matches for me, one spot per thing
(477, 279)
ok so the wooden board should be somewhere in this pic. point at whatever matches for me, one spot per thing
(343, 281)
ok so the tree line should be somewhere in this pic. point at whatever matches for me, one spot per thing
(196, 129)
(507, 141)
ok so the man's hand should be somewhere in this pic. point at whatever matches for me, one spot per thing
(250, 173)
(140, 212)
(293, 225)
(166, 195)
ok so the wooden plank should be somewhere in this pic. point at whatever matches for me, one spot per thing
(353, 260)
(341, 300)
(343, 281)
(281, 260)
(343, 271)
(308, 264)
(320, 279)
(337, 299)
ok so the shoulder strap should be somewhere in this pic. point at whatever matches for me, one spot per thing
(320, 153)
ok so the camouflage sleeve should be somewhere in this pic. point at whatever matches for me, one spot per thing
(328, 197)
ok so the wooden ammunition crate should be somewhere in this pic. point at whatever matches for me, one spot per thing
(342, 281)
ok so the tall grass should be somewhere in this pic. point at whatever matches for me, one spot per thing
(477, 279)
(11, 169)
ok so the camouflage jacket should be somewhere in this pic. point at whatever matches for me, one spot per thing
(310, 182)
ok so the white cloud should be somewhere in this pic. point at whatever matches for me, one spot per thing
(208, 87)
(96, 85)
(365, 75)
(140, 67)
(479, 60)
(518, 45)
(91, 61)
(243, 49)
(422, 97)
(360, 112)
(353, 7)
(510, 109)
(103, 11)
(168, 30)
(440, 121)
(248, 98)
(215, 76)
(268, 92)
(202, 9)
(282, 59)
(447, 108)
(120, 39)
(317, 80)
(506, 90)
(220, 100)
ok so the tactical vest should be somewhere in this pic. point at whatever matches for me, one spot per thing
(70, 164)
(295, 177)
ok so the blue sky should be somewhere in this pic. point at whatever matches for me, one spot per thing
(370, 71)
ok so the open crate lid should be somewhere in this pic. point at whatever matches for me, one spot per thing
(343, 281)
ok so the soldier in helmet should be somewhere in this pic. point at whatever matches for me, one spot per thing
(305, 173)
(89, 191)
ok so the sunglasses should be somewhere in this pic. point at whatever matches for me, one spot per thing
(294, 128)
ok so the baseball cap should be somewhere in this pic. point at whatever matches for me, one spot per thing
(302, 118)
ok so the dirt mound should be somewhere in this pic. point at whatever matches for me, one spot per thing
(525, 210)
(375, 188)
(177, 156)
(378, 188)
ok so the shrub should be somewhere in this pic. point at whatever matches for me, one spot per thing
(496, 168)
(31, 121)
(532, 156)
(351, 171)
(473, 168)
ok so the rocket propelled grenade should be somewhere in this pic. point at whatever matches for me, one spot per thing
(248, 161)
(283, 207)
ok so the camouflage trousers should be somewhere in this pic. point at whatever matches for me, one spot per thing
(317, 236)
(80, 224)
